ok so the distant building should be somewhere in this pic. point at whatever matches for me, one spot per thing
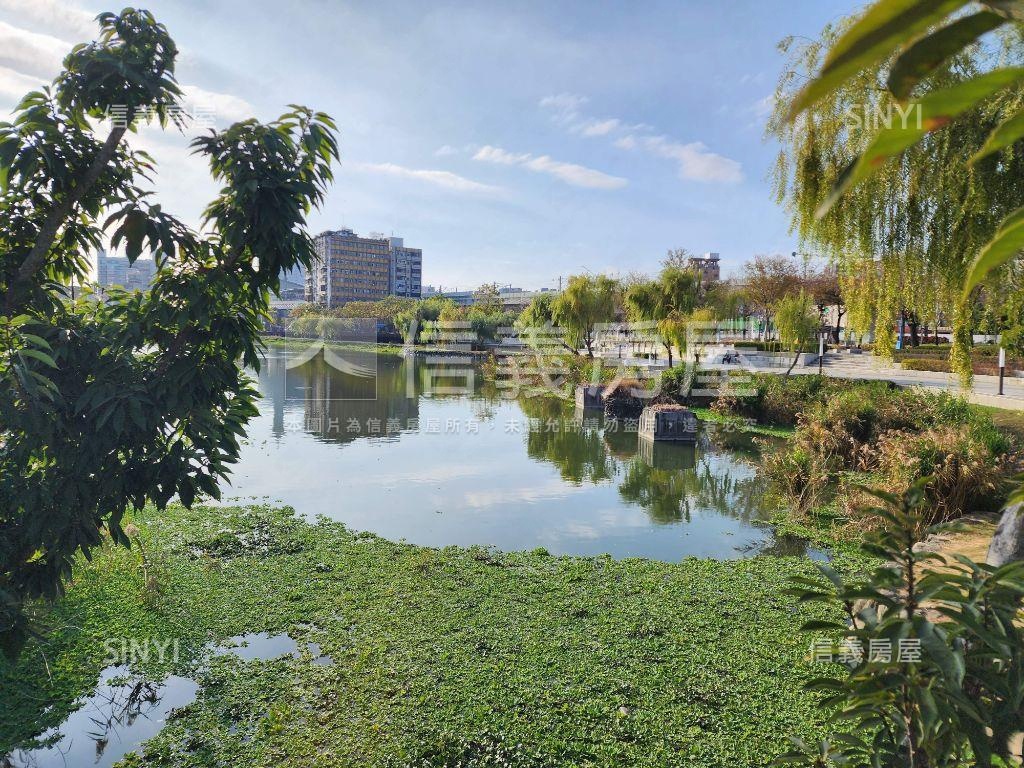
(406, 276)
(350, 267)
(512, 299)
(708, 266)
(293, 284)
(117, 271)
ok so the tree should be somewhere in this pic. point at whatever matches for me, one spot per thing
(954, 702)
(797, 323)
(539, 312)
(114, 403)
(487, 298)
(411, 318)
(904, 153)
(826, 292)
(677, 258)
(731, 301)
(585, 302)
(667, 301)
(767, 280)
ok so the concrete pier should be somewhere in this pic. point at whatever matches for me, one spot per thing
(589, 396)
(668, 422)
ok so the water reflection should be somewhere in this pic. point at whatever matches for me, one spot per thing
(466, 466)
(122, 712)
(125, 709)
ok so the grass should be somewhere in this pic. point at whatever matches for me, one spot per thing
(447, 657)
(1011, 422)
(743, 425)
(380, 349)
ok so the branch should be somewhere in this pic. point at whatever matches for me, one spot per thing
(59, 213)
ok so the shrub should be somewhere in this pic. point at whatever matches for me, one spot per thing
(925, 364)
(957, 700)
(964, 473)
(802, 472)
(777, 399)
(772, 346)
(675, 382)
(897, 435)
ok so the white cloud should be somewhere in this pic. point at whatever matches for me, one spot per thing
(570, 173)
(695, 161)
(14, 85)
(446, 150)
(599, 127)
(61, 17)
(565, 105)
(444, 179)
(564, 101)
(30, 52)
(223, 108)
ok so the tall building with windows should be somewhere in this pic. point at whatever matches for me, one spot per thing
(406, 270)
(354, 268)
(117, 271)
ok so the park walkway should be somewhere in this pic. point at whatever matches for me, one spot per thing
(985, 390)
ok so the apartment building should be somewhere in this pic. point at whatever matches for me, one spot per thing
(349, 268)
(118, 271)
(406, 278)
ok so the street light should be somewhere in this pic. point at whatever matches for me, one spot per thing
(822, 333)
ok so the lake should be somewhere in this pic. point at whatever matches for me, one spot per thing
(421, 449)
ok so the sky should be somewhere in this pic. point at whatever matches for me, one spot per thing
(514, 143)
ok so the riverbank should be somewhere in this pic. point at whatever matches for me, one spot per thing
(380, 349)
(437, 655)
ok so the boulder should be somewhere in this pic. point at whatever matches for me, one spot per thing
(1008, 541)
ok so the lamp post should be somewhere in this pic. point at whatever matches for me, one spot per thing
(1002, 368)
(822, 334)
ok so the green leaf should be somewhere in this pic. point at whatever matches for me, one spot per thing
(950, 662)
(931, 113)
(1006, 133)
(1007, 244)
(38, 355)
(883, 28)
(924, 56)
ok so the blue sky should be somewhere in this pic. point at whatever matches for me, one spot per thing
(513, 142)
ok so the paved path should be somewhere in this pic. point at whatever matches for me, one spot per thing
(985, 390)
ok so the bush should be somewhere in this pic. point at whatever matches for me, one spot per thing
(772, 346)
(957, 701)
(925, 364)
(778, 400)
(965, 474)
(675, 382)
(897, 436)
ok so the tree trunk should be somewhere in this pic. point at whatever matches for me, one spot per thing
(1008, 541)
(838, 328)
(668, 347)
(793, 364)
(912, 322)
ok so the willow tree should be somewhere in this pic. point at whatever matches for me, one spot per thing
(904, 238)
(586, 303)
(668, 302)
